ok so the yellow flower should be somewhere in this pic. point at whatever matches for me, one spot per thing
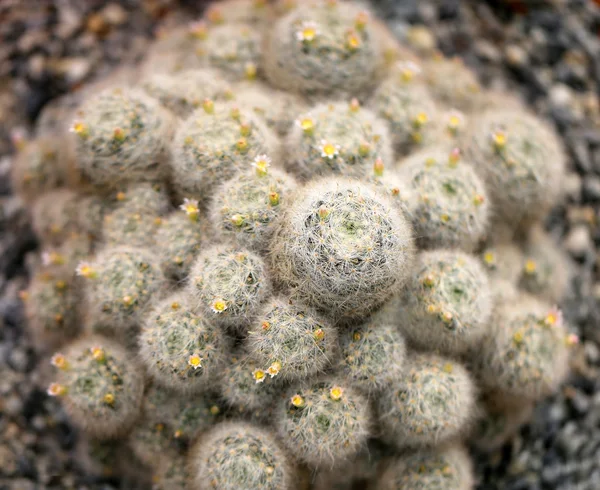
(329, 150)
(408, 70)
(84, 269)
(489, 258)
(378, 167)
(307, 124)
(98, 353)
(352, 41)
(456, 121)
(219, 305)
(109, 398)
(530, 267)
(319, 334)
(208, 106)
(80, 129)
(274, 369)
(498, 139)
(307, 33)
(190, 206)
(336, 392)
(259, 375)
(261, 163)
(195, 361)
(297, 401)
(554, 317)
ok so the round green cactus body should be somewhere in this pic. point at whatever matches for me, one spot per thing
(448, 303)
(184, 92)
(448, 204)
(228, 285)
(101, 386)
(179, 239)
(337, 139)
(324, 422)
(433, 402)
(236, 455)
(526, 353)
(120, 283)
(51, 301)
(545, 269)
(121, 135)
(213, 144)
(451, 82)
(521, 161)
(442, 469)
(291, 341)
(373, 354)
(244, 208)
(235, 49)
(54, 215)
(407, 106)
(181, 349)
(322, 49)
(342, 247)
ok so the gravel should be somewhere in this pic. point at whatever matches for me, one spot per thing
(549, 54)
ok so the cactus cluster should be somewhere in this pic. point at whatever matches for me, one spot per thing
(284, 259)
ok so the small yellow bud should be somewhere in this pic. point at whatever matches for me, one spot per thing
(235, 113)
(446, 317)
(323, 212)
(454, 157)
(98, 354)
(448, 368)
(429, 281)
(354, 105)
(499, 140)
(237, 220)
(530, 267)
(335, 393)
(178, 434)
(319, 334)
(430, 162)
(518, 338)
(356, 336)
(245, 129)
(214, 410)
(478, 200)
(489, 258)
(571, 340)
(265, 325)
(364, 149)
(242, 144)
(297, 401)
(128, 300)
(175, 305)
(420, 120)
(214, 15)
(209, 106)
(119, 135)
(23, 295)
(109, 398)
(198, 30)
(85, 270)
(251, 70)
(361, 20)
(444, 218)
(378, 167)
(273, 198)
(80, 129)
(353, 42)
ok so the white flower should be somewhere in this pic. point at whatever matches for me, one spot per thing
(308, 32)
(329, 150)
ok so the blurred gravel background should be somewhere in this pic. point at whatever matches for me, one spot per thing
(548, 51)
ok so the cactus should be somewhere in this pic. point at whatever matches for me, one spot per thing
(183, 93)
(342, 247)
(228, 285)
(443, 469)
(51, 302)
(433, 402)
(171, 474)
(254, 12)
(247, 387)
(407, 106)
(122, 227)
(180, 349)
(39, 167)
(54, 215)
(214, 143)
(275, 108)
(119, 284)
(452, 83)
(323, 422)
(64, 258)
(521, 162)
(179, 239)
(372, 354)
(497, 424)
(447, 304)
(244, 208)
(388, 181)
(234, 48)
(121, 135)
(100, 384)
(237, 455)
(167, 423)
(339, 139)
(323, 49)
(525, 353)
(503, 261)
(448, 204)
(545, 270)
(291, 341)
(142, 198)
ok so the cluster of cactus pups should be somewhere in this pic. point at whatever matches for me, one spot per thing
(284, 258)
